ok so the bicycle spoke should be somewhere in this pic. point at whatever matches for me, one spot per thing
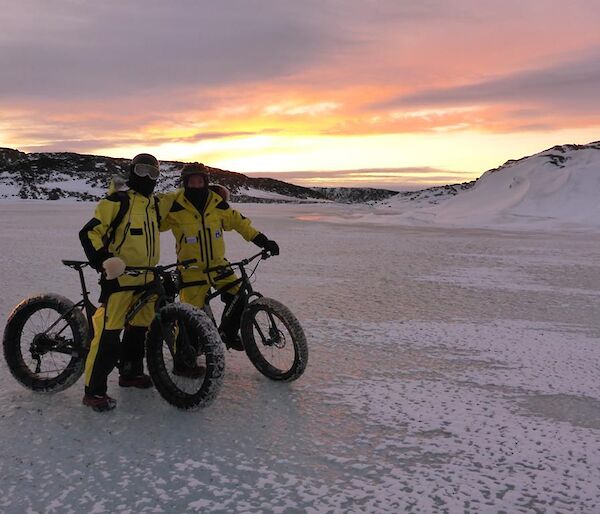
(47, 371)
(54, 356)
(274, 340)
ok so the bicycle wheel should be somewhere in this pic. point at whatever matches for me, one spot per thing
(274, 340)
(46, 343)
(179, 333)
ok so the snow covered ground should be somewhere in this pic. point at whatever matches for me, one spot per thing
(451, 370)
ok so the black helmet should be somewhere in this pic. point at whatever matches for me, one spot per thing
(145, 165)
(194, 168)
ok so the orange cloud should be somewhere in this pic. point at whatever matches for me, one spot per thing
(291, 86)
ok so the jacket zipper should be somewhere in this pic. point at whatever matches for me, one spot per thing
(148, 240)
(209, 238)
(201, 246)
(153, 239)
(205, 241)
(202, 240)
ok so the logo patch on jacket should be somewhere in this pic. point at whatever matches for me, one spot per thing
(191, 240)
(218, 233)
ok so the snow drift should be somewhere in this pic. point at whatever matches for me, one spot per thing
(558, 188)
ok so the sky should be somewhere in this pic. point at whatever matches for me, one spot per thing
(387, 93)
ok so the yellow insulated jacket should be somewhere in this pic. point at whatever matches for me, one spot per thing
(199, 235)
(136, 238)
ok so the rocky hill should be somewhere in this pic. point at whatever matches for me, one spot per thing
(355, 194)
(53, 176)
(430, 196)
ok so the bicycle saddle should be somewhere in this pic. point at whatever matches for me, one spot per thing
(75, 264)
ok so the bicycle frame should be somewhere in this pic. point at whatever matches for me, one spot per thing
(85, 304)
(244, 293)
(152, 289)
(162, 287)
(155, 288)
(147, 291)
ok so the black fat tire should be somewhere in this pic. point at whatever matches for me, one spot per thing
(292, 325)
(13, 347)
(198, 325)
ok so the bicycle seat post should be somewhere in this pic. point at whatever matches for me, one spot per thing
(89, 307)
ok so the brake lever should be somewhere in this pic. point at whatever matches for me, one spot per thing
(223, 272)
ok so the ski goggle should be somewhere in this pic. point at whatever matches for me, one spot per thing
(146, 170)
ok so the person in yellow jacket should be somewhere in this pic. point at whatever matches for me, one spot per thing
(123, 232)
(198, 218)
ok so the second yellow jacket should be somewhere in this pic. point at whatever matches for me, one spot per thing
(199, 235)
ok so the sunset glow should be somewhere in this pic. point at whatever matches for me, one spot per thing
(431, 92)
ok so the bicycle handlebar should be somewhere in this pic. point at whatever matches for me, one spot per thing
(264, 254)
(159, 268)
(83, 264)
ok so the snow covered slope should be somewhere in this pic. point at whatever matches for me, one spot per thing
(555, 189)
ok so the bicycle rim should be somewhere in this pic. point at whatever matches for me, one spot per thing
(46, 344)
(274, 340)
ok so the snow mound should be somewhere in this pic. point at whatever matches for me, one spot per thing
(555, 189)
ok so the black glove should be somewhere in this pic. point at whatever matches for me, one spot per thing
(98, 258)
(267, 244)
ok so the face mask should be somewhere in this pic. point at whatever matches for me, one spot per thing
(142, 185)
(197, 197)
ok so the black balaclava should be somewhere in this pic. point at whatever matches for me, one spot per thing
(197, 195)
(143, 185)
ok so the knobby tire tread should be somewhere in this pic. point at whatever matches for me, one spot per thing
(197, 323)
(293, 326)
(12, 343)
